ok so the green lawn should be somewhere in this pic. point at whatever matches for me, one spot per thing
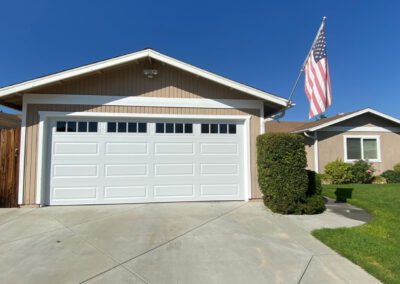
(374, 246)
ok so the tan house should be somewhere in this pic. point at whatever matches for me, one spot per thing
(142, 127)
(8, 120)
(364, 134)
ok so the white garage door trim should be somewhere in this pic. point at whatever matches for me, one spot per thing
(44, 117)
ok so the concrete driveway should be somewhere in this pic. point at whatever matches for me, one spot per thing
(204, 242)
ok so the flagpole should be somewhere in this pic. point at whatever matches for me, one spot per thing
(305, 61)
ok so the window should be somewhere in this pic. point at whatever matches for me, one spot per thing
(92, 126)
(169, 128)
(221, 128)
(61, 126)
(82, 126)
(111, 127)
(71, 126)
(76, 126)
(132, 127)
(142, 127)
(127, 127)
(362, 148)
(121, 126)
(178, 128)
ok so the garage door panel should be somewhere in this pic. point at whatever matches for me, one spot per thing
(219, 148)
(126, 170)
(126, 167)
(173, 169)
(126, 148)
(219, 169)
(125, 192)
(174, 190)
(73, 148)
(219, 189)
(75, 170)
(75, 193)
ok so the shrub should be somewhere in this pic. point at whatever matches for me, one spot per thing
(397, 167)
(281, 162)
(363, 172)
(339, 172)
(313, 205)
(379, 180)
(391, 176)
(325, 179)
(314, 183)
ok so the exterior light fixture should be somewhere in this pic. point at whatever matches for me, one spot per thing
(150, 73)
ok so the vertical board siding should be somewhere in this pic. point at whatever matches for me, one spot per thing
(32, 135)
(128, 80)
(9, 165)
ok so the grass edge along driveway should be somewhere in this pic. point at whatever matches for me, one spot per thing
(374, 246)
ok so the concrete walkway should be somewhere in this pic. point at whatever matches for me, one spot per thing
(204, 242)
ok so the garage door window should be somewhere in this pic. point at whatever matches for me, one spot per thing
(76, 126)
(179, 128)
(214, 128)
(127, 127)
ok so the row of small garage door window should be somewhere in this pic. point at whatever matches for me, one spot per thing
(141, 127)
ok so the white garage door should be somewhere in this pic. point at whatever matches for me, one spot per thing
(137, 160)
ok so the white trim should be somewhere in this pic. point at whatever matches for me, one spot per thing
(262, 123)
(361, 129)
(141, 101)
(25, 86)
(247, 160)
(42, 144)
(351, 115)
(316, 153)
(378, 145)
(22, 154)
(39, 163)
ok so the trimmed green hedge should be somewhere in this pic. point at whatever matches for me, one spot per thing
(281, 161)
(391, 176)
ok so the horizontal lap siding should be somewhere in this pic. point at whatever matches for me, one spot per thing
(32, 134)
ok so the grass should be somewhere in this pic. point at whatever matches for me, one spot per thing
(374, 246)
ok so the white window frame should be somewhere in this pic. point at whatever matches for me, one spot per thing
(362, 137)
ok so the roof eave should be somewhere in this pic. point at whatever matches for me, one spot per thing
(349, 116)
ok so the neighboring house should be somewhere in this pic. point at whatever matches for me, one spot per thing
(8, 120)
(364, 134)
(142, 127)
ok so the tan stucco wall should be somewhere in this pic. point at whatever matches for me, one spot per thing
(310, 153)
(331, 147)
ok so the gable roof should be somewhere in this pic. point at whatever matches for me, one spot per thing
(146, 53)
(282, 126)
(298, 126)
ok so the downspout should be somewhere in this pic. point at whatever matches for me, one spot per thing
(316, 157)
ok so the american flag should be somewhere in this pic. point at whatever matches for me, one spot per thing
(317, 80)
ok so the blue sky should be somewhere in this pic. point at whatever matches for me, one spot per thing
(260, 43)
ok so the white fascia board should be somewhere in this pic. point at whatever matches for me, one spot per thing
(135, 56)
(346, 117)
